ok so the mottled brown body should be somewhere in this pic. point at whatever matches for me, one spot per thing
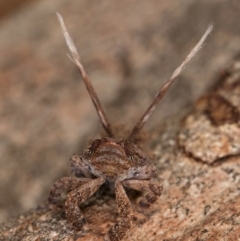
(107, 160)
(119, 162)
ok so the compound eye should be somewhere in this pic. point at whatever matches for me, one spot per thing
(129, 149)
(136, 173)
(95, 144)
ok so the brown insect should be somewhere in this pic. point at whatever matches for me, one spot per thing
(118, 162)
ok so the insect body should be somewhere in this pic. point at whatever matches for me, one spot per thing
(119, 162)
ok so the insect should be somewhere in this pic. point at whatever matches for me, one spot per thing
(120, 163)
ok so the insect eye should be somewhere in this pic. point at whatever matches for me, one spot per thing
(95, 144)
(129, 149)
(136, 173)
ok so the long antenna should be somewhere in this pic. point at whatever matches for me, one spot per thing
(76, 60)
(167, 85)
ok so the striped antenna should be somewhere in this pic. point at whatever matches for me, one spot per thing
(167, 85)
(74, 56)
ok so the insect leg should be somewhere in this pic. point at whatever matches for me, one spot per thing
(153, 189)
(118, 231)
(79, 168)
(67, 183)
(76, 197)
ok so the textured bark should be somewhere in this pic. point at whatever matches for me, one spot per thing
(201, 196)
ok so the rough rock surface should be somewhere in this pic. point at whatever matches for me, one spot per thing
(46, 114)
(214, 133)
(200, 201)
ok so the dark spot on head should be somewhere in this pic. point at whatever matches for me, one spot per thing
(94, 146)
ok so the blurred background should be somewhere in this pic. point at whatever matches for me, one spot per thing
(129, 48)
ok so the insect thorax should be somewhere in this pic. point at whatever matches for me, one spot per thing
(114, 159)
